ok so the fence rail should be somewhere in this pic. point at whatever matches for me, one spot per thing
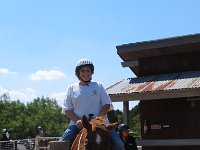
(38, 143)
(47, 143)
(25, 144)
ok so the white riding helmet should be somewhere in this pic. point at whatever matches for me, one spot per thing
(4, 130)
(83, 62)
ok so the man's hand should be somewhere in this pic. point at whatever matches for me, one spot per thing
(79, 124)
(105, 109)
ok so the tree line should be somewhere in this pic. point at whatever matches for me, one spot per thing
(22, 120)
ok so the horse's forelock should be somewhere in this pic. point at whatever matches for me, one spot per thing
(97, 120)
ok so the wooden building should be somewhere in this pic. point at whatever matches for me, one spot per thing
(168, 87)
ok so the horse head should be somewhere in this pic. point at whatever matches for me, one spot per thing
(98, 134)
(95, 135)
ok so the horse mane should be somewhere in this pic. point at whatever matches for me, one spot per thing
(98, 122)
(79, 141)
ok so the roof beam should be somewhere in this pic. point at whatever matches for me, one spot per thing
(155, 95)
(130, 63)
(159, 43)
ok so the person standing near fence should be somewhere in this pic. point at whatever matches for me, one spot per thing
(5, 135)
(40, 132)
(6, 144)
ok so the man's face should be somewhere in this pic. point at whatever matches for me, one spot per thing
(85, 73)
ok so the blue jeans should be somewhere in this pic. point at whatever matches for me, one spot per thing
(72, 131)
(70, 134)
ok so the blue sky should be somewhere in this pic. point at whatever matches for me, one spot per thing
(41, 40)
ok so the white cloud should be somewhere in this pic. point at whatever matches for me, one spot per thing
(28, 94)
(2, 91)
(29, 90)
(24, 95)
(58, 96)
(6, 71)
(47, 75)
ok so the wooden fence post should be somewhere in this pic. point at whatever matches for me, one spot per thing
(58, 145)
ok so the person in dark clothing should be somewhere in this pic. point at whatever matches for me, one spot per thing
(129, 141)
(6, 144)
(40, 132)
(5, 135)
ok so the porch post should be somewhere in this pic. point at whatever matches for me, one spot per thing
(126, 111)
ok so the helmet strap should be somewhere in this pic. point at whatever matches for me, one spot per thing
(86, 82)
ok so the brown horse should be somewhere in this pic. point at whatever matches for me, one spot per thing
(95, 135)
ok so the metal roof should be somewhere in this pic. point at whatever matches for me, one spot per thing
(156, 83)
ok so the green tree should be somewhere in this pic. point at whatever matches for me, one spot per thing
(5, 96)
(23, 120)
(47, 114)
(134, 120)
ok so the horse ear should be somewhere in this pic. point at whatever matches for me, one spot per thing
(85, 122)
(112, 126)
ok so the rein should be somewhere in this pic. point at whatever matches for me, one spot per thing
(79, 142)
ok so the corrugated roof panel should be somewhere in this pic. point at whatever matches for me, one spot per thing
(183, 80)
(140, 84)
(186, 80)
(197, 84)
(162, 82)
(116, 87)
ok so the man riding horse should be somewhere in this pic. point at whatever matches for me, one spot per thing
(84, 98)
